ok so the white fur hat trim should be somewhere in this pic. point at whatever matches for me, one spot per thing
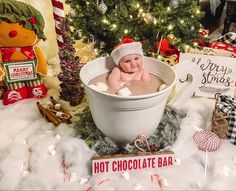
(126, 49)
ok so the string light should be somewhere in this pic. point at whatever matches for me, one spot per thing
(187, 47)
(198, 11)
(126, 31)
(105, 21)
(170, 27)
(168, 9)
(96, 51)
(182, 21)
(155, 21)
(159, 57)
(114, 26)
(140, 10)
(130, 16)
(137, 5)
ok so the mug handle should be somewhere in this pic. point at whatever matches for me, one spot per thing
(188, 75)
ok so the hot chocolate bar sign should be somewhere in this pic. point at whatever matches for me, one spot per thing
(217, 73)
(132, 162)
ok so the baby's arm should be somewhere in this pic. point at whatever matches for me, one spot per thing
(145, 75)
(114, 78)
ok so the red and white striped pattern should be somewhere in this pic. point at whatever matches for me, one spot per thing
(207, 140)
(58, 14)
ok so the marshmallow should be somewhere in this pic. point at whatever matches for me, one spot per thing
(59, 114)
(51, 150)
(57, 106)
(73, 177)
(125, 175)
(57, 136)
(164, 182)
(177, 161)
(24, 173)
(124, 92)
(93, 87)
(83, 180)
(162, 87)
(101, 87)
(122, 84)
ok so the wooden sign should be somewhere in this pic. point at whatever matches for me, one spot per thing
(122, 163)
(218, 74)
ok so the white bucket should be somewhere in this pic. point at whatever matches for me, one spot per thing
(123, 118)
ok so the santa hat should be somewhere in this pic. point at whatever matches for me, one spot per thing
(126, 47)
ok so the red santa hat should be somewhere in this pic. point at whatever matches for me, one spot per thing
(126, 47)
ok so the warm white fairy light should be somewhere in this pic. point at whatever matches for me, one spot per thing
(155, 21)
(182, 21)
(198, 11)
(137, 5)
(168, 9)
(105, 21)
(186, 47)
(140, 10)
(130, 16)
(126, 31)
(143, 14)
(170, 27)
(195, 43)
(96, 51)
(159, 57)
(114, 26)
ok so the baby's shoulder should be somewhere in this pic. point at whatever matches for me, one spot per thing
(115, 73)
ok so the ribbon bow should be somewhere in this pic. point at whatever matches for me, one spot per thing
(227, 105)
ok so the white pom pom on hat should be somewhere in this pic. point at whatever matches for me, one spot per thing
(126, 47)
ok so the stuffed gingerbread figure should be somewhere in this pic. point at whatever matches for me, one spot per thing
(22, 63)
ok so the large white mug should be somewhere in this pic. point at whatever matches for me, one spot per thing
(123, 118)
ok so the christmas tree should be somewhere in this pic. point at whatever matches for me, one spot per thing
(71, 89)
(109, 21)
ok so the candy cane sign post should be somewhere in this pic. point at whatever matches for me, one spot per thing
(58, 14)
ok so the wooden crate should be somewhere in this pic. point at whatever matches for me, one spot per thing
(220, 122)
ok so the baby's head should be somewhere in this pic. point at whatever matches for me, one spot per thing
(128, 55)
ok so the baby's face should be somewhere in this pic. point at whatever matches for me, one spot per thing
(131, 63)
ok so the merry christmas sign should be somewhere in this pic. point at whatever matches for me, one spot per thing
(218, 73)
(123, 163)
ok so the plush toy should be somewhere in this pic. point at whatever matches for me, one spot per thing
(22, 63)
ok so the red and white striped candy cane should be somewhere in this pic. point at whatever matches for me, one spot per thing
(58, 14)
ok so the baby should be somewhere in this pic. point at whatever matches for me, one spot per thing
(128, 56)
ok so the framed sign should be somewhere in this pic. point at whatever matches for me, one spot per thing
(218, 74)
(20, 71)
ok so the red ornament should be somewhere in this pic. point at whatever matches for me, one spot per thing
(32, 20)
